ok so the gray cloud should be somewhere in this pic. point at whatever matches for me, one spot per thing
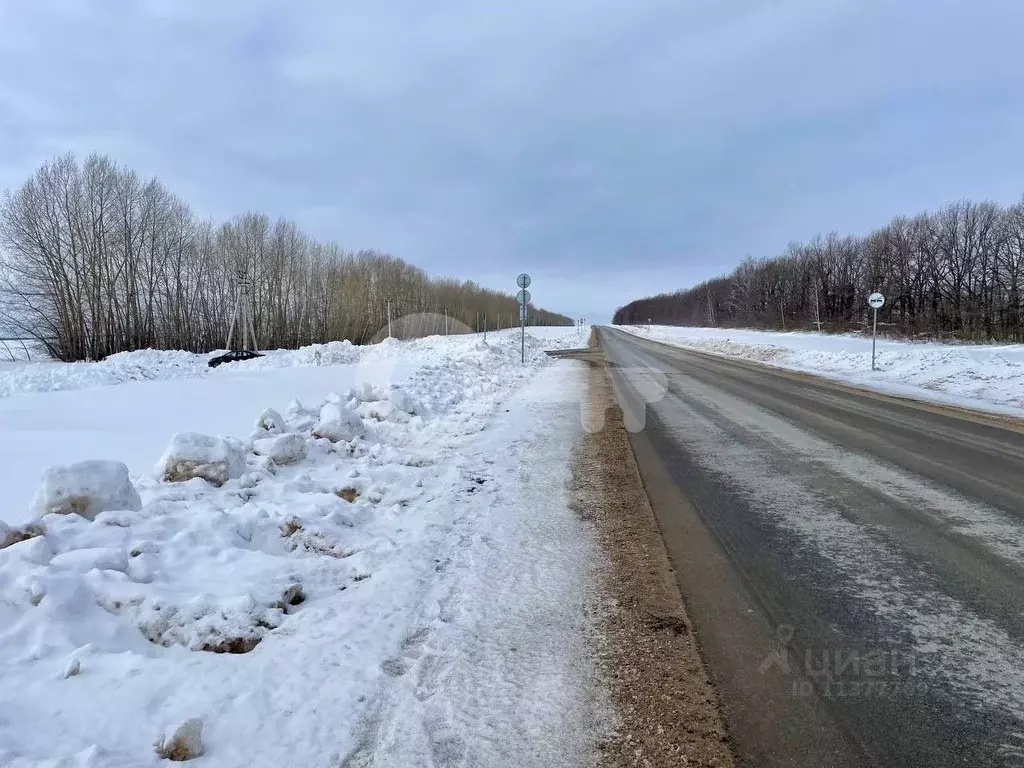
(613, 149)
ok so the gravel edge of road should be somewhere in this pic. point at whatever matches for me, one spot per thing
(666, 708)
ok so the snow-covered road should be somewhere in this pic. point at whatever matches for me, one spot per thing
(445, 582)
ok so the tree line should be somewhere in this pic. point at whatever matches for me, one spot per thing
(957, 273)
(96, 260)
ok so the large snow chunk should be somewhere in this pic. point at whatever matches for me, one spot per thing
(299, 419)
(84, 560)
(184, 742)
(34, 549)
(88, 488)
(338, 423)
(401, 400)
(363, 392)
(272, 421)
(284, 449)
(192, 454)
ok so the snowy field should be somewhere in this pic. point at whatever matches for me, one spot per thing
(984, 377)
(389, 576)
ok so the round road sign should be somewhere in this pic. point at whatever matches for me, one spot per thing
(876, 300)
(524, 296)
(523, 281)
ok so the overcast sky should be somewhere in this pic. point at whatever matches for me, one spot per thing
(612, 148)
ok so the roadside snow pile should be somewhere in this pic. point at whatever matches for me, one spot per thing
(331, 353)
(152, 364)
(989, 377)
(144, 365)
(263, 585)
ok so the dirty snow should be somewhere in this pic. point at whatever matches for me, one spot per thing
(985, 377)
(413, 592)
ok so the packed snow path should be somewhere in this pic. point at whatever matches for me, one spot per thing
(413, 593)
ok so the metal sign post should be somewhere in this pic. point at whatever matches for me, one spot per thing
(876, 301)
(523, 281)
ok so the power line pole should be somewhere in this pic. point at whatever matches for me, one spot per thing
(242, 315)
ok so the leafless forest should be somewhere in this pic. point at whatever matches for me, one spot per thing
(95, 260)
(957, 273)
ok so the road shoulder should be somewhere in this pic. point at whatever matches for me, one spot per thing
(667, 709)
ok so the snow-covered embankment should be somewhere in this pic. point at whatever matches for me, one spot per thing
(390, 576)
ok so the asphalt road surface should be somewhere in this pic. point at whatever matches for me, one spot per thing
(853, 564)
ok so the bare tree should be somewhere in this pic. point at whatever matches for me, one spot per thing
(93, 261)
(958, 272)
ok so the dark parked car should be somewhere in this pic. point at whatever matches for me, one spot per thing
(233, 357)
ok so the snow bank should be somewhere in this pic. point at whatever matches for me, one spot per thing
(132, 422)
(988, 377)
(298, 607)
(144, 365)
(161, 365)
(332, 353)
(154, 365)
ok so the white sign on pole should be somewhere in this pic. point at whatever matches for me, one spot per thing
(877, 301)
(523, 281)
(524, 296)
